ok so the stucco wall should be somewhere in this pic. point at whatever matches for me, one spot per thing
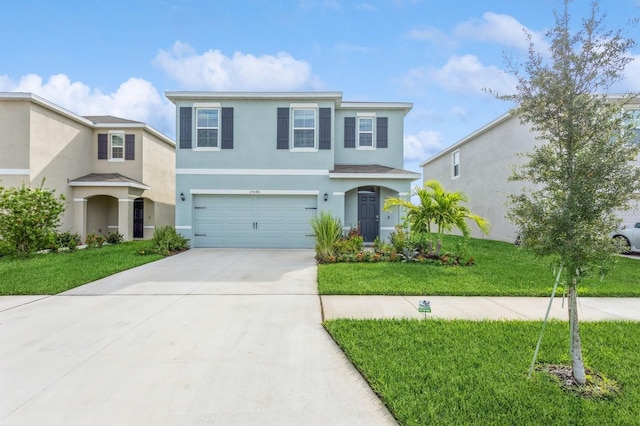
(58, 154)
(14, 140)
(158, 171)
(391, 156)
(254, 140)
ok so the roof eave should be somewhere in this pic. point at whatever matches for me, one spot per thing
(484, 129)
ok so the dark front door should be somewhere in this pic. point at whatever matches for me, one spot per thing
(369, 215)
(138, 218)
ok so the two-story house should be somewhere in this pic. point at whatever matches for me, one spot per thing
(480, 165)
(252, 169)
(117, 175)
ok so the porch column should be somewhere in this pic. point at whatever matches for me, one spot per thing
(80, 217)
(338, 208)
(125, 218)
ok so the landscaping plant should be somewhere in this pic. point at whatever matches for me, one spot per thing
(327, 230)
(440, 208)
(582, 172)
(29, 217)
(167, 240)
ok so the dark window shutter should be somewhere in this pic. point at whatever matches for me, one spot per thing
(382, 134)
(129, 147)
(227, 128)
(349, 132)
(283, 128)
(325, 128)
(103, 146)
(185, 127)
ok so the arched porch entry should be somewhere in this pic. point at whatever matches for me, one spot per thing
(106, 203)
(101, 215)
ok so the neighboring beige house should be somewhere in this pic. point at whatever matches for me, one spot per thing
(117, 175)
(480, 164)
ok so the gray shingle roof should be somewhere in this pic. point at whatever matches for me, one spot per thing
(109, 119)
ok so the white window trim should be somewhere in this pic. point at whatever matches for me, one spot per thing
(111, 134)
(373, 131)
(310, 107)
(454, 164)
(199, 106)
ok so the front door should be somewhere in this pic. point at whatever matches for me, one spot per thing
(138, 218)
(369, 215)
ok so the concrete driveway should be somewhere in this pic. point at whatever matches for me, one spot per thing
(206, 337)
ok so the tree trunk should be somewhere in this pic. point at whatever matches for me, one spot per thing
(577, 365)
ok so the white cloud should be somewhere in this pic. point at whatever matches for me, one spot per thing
(423, 145)
(502, 29)
(631, 80)
(467, 75)
(135, 99)
(212, 70)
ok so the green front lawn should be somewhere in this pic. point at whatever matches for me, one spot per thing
(474, 373)
(57, 272)
(500, 269)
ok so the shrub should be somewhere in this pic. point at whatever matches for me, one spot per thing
(327, 230)
(381, 247)
(94, 240)
(167, 240)
(349, 245)
(29, 217)
(67, 239)
(399, 239)
(114, 238)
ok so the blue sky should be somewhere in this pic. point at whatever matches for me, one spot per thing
(119, 57)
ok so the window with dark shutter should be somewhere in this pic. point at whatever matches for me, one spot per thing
(227, 129)
(103, 146)
(325, 128)
(349, 132)
(382, 137)
(283, 128)
(185, 127)
(129, 147)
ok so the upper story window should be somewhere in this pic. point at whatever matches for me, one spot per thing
(365, 132)
(117, 146)
(207, 127)
(455, 164)
(304, 128)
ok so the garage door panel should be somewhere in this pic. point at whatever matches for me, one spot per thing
(254, 221)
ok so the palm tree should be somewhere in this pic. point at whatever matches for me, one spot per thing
(439, 207)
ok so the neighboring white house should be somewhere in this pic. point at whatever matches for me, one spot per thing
(117, 175)
(252, 169)
(480, 164)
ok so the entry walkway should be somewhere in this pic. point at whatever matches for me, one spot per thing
(479, 308)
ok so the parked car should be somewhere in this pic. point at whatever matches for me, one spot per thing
(629, 235)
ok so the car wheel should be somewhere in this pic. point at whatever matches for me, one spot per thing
(623, 244)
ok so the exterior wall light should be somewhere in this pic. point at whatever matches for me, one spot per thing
(326, 196)
(182, 196)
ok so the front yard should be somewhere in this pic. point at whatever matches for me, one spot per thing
(53, 273)
(500, 269)
(475, 372)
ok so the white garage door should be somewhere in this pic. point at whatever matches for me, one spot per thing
(261, 221)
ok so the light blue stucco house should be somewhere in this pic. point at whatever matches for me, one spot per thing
(252, 169)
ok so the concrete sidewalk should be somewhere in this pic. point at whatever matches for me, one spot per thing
(479, 308)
